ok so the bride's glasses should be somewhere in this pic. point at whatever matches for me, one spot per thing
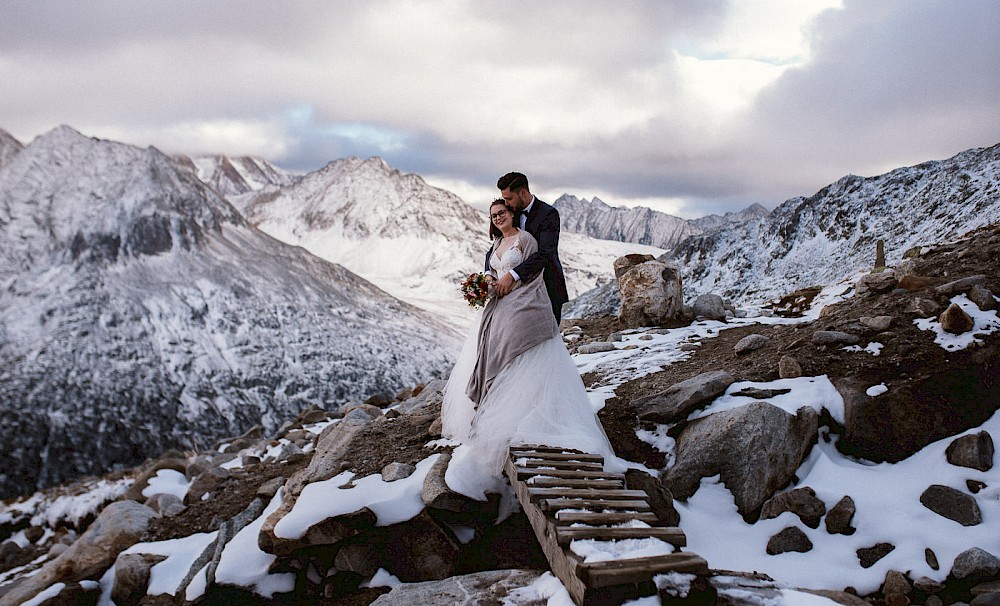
(498, 215)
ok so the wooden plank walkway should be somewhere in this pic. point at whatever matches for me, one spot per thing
(567, 496)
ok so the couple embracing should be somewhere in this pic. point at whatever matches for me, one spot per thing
(514, 382)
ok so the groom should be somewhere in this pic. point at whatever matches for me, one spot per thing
(541, 221)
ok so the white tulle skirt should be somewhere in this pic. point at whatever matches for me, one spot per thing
(539, 398)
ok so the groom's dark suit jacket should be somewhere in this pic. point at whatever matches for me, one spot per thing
(543, 223)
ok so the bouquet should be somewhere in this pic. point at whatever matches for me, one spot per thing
(476, 289)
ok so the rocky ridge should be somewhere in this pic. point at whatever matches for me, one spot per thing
(932, 394)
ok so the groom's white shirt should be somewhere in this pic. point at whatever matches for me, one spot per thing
(524, 220)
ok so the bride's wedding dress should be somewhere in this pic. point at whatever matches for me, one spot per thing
(536, 398)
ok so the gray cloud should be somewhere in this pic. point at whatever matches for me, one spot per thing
(584, 96)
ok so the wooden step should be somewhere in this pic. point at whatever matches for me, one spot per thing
(559, 464)
(537, 494)
(565, 518)
(562, 503)
(523, 473)
(674, 536)
(638, 570)
(557, 455)
(541, 482)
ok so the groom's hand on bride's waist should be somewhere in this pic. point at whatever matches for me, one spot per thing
(505, 285)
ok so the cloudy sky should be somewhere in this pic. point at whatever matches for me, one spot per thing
(692, 107)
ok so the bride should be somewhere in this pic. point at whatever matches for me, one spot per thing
(514, 382)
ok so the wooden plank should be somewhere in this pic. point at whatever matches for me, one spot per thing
(564, 518)
(559, 464)
(584, 493)
(563, 503)
(515, 448)
(671, 534)
(557, 456)
(524, 473)
(539, 482)
(637, 570)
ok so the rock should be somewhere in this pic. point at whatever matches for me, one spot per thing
(952, 504)
(661, 502)
(269, 488)
(881, 282)
(913, 283)
(679, 400)
(925, 308)
(789, 368)
(709, 307)
(840, 597)
(167, 505)
(84, 593)
(975, 563)
(986, 599)
(760, 394)
(789, 539)
(877, 323)
(358, 557)
(931, 558)
(597, 347)
(933, 600)
(490, 587)
(331, 448)
(834, 337)
(983, 298)
(751, 343)
(10, 554)
(397, 471)
(755, 448)
(149, 472)
(954, 320)
(651, 295)
(132, 577)
(119, 526)
(206, 482)
(959, 286)
(627, 262)
(974, 486)
(987, 587)
(800, 501)
(33, 533)
(838, 519)
(436, 428)
(928, 585)
(436, 495)
(380, 400)
(896, 584)
(867, 556)
(328, 532)
(973, 451)
(419, 549)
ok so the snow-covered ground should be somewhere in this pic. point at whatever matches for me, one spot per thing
(886, 495)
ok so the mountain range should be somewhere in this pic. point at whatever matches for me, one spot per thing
(139, 311)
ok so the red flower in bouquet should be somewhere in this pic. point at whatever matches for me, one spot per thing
(476, 290)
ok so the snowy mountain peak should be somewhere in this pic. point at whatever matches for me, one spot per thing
(640, 225)
(235, 176)
(9, 147)
(74, 197)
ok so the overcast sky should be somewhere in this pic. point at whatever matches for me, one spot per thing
(691, 107)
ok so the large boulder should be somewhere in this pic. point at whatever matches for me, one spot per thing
(651, 294)
(709, 306)
(490, 587)
(680, 399)
(119, 526)
(755, 449)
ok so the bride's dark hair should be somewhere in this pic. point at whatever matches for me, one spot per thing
(494, 232)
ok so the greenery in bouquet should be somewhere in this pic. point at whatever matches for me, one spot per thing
(476, 290)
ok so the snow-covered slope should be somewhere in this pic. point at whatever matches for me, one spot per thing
(233, 178)
(640, 225)
(833, 233)
(713, 222)
(139, 311)
(9, 147)
(413, 240)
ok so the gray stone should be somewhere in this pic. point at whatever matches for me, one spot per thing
(986, 599)
(680, 399)
(987, 587)
(925, 308)
(627, 262)
(421, 549)
(651, 295)
(838, 519)
(896, 584)
(269, 488)
(800, 501)
(751, 343)
(789, 539)
(596, 347)
(933, 600)
(975, 563)
(397, 471)
(436, 494)
(931, 558)
(661, 502)
(868, 556)
(358, 557)
(974, 451)
(877, 323)
(119, 526)
(206, 482)
(789, 368)
(952, 504)
(961, 285)
(709, 307)
(834, 337)
(928, 585)
(755, 448)
(168, 505)
(132, 577)
(881, 282)
(490, 587)
(760, 394)
(983, 298)
(954, 320)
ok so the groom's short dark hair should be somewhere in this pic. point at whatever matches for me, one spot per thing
(513, 182)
